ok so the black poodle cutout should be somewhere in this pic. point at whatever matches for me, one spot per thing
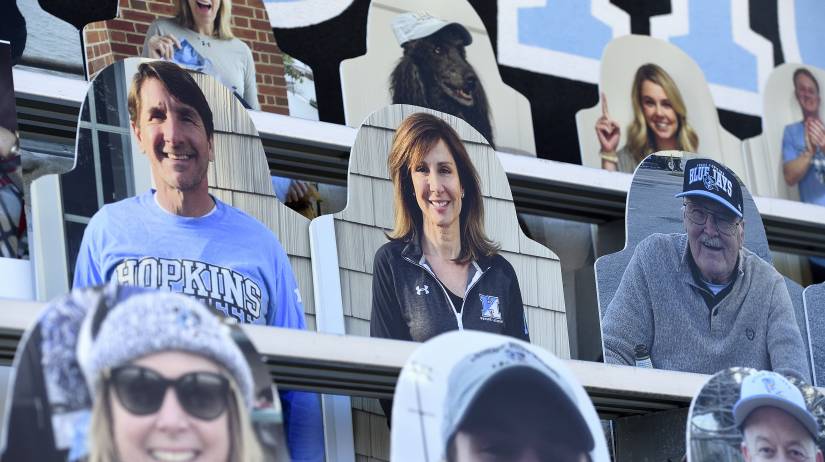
(434, 73)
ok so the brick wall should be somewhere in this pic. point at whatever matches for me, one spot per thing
(108, 41)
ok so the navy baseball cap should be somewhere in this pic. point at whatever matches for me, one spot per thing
(516, 366)
(712, 180)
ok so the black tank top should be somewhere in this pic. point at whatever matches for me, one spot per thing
(457, 301)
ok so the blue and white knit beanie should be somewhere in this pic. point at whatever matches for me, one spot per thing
(161, 321)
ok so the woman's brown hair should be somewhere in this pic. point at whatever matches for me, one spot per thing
(414, 138)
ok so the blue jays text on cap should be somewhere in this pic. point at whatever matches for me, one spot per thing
(712, 180)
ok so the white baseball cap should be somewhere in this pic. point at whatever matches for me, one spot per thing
(413, 26)
(766, 388)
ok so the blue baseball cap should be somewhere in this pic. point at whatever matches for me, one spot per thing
(712, 180)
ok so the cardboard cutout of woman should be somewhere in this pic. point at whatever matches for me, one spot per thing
(92, 374)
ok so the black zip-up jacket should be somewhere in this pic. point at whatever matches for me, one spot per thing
(410, 303)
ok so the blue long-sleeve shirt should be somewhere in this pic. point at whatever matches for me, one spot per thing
(226, 258)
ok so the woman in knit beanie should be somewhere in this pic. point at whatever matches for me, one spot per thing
(169, 384)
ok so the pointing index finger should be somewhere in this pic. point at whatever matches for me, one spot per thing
(604, 106)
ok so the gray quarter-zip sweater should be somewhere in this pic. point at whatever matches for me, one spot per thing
(659, 304)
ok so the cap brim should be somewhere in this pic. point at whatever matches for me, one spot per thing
(711, 196)
(425, 30)
(744, 407)
(561, 408)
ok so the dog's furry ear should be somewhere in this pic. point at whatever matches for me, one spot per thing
(482, 120)
(406, 86)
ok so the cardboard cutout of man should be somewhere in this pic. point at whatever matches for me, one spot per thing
(180, 238)
(506, 404)
(700, 301)
(775, 421)
(802, 150)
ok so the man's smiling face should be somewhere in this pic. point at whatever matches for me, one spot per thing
(771, 434)
(807, 94)
(715, 244)
(172, 134)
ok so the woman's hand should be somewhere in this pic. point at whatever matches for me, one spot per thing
(607, 130)
(162, 46)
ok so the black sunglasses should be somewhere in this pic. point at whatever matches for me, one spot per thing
(141, 391)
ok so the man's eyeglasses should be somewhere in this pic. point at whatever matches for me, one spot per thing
(698, 215)
(141, 391)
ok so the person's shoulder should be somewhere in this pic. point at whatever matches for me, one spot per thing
(502, 268)
(662, 242)
(498, 261)
(759, 268)
(389, 250)
(249, 230)
(239, 45)
(660, 250)
(116, 218)
(240, 219)
(168, 22)
(794, 127)
(163, 25)
(125, 209)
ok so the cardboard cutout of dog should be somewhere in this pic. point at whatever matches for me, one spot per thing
(437, 55)
(434, 71)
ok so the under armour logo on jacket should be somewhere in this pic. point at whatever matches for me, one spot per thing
(425, 289)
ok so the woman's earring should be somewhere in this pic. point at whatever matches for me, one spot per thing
(462, 194)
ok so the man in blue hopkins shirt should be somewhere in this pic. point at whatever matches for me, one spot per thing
(802, 151)
(180, 238)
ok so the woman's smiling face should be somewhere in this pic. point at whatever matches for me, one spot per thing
(437, 187)
(170, 434)
(204, 11)
(658, 110)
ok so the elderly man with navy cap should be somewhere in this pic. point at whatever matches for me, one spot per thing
(699, 301)
(775, 421)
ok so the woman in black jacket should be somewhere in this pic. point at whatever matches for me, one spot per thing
(440, 272)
